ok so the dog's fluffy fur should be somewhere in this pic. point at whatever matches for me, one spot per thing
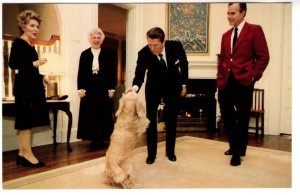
(131, 123)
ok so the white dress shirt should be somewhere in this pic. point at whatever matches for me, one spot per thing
(95, 66)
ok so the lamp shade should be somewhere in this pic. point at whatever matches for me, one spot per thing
(53, 66)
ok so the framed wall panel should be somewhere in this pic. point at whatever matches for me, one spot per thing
(188, 23)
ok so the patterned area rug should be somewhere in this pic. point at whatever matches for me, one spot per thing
(200, 164)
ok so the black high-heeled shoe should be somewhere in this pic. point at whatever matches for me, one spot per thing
(27, 163)
(19, 159)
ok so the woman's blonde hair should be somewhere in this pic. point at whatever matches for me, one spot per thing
(95, 31)
(25, 16)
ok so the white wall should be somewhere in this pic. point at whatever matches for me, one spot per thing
(76, 21)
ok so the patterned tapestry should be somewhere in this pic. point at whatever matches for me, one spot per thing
(188, 23)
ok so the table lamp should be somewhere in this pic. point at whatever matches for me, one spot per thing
(53, 69)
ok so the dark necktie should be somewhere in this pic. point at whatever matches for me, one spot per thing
(163, 63)
(235, 37)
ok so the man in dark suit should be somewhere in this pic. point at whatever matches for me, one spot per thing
(167, 74)
(243, 59)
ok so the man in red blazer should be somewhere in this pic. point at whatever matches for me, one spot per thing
(242, 62)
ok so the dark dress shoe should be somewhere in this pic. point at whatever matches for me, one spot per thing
(150, 160)
(172, 157)
(19, 159)
(235, 160)
(27, 163)
(228, 152)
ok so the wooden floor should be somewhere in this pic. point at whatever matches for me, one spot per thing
(57, 156)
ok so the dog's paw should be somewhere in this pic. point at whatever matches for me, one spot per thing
(120, 178)
(127, 184)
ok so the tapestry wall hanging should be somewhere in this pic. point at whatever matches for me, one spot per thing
(188, 23)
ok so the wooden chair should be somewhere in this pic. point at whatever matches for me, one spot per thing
(258, 111)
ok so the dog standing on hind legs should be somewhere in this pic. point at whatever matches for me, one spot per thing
(130, 125)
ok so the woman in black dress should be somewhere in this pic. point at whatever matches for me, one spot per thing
(96, 86)
(29, 92)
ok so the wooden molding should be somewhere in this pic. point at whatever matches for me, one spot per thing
(37, 42)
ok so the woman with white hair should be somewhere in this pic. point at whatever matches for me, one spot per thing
(96, 86)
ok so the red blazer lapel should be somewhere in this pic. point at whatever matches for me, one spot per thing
(242, 35)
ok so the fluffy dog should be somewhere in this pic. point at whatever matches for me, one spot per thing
(131, 123)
